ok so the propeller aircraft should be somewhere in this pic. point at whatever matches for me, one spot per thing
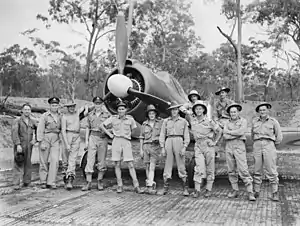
(139, 86)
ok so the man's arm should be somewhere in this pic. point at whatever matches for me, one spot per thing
(15, 133)
(40, 129)
(239, 132)
(162, 135)
(106, 123)
(186, 135)
(64, 130)
(278, 132)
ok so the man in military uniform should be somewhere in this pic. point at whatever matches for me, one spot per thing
(122, 126)
(70, 129)
(150, 149)
(174, 139)
(193, 96)
(96, 142)
(48, 136)
(222, 105)
(221, 115)
(23, 130)
(206, 134)
(234, 134)
(266, 133)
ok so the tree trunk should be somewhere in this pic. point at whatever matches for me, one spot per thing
(240, 96)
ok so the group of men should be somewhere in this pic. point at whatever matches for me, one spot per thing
(168, 137)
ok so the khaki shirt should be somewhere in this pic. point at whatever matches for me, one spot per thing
(94, 121)
(22, 131)
(269, 129)
(174, 127)
(150, 134)
(48, 124)
(203, 128)
(72, 122)
(237, 128)
(221, 108)
(121, 127)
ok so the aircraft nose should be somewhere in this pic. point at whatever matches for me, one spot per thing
(118, 85)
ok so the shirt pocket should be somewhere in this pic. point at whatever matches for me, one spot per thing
(127, 126)
(148, 132)
(117, 126)
(269, 129)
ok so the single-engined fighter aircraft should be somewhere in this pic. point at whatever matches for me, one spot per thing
(139, 86)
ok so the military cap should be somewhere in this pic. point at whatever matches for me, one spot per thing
(121, 103)
(199, 103)
(70, 104)
(238, 106)
(97, 99)
(173, 105)
(269, 106)
(226, 89)
(53, 100)
(194, 92)
(151, 107)
(19, 158)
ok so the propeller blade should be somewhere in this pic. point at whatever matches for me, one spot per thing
(121, 42)
(129, 26)
(106, 96)
(161, 104)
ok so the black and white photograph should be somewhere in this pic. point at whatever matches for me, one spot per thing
(150, 112)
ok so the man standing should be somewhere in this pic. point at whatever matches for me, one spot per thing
(222, 105)
(23, 139)
(266, 133)
(174, 139)
(150, 149)
(122, 126)
(193, 96)
(48, 136)
(70, 129)
(207, 134)
(234, 134)
(96, 142)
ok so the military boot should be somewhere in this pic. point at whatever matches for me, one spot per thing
(152, 189)
(185, 187)
(251, 196)
(275, 196)
(138, 190)
(207, 194)
(69, 185)
(100, 185)
(87, 187)
(233, 194)
(166, 187)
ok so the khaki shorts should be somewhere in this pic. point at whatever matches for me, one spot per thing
(151, 152)
(121, 147)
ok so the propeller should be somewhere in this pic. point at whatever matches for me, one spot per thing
(121, 42)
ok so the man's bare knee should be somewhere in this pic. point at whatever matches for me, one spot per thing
(117, 164)
(130, 165)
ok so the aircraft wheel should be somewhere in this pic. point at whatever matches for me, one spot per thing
(83, 164)
(190, 171)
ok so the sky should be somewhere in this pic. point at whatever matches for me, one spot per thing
(17, 16)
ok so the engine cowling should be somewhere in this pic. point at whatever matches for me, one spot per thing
(162, 85)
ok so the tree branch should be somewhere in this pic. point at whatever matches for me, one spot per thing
(230, 40)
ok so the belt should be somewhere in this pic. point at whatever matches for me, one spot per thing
(52, 132)
(73, 131)
(175, 136)
(152, 142)
(264, 138)
(98, 133)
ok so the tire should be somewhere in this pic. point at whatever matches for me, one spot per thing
(190, 171)
(83, 164)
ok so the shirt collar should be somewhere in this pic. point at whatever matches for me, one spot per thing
(267, 118)
(239, 118)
